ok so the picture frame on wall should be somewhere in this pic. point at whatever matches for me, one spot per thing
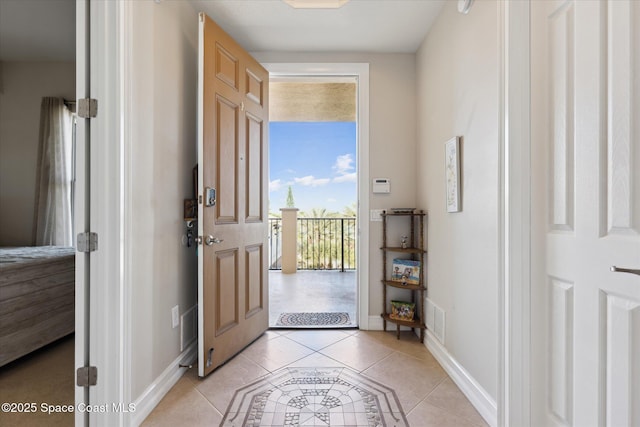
(452, 174)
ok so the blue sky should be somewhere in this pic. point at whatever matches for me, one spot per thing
(318, 161)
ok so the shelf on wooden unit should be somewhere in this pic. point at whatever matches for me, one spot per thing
(414, 229)
(410, 323)
(397, 284)
(405, 250)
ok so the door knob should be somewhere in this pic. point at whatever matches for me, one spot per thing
(210, 240)
(625, 270)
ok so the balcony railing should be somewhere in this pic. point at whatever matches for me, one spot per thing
(322, 244)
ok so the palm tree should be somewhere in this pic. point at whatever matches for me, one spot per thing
(350, 211)
(321, 237)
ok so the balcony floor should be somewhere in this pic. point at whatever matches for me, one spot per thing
(312, 291)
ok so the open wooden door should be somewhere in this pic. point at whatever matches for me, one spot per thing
(232, 209)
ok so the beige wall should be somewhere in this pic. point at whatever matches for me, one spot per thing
(457, 74)
(392, 135)
(163, 153)
(22, 87)
(453, 81)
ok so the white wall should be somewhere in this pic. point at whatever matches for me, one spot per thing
(22, 87)
(163, 153)
(392, 135)
(458, 94)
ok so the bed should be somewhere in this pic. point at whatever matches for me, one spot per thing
(37, 293)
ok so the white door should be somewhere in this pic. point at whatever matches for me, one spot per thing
(586, 212)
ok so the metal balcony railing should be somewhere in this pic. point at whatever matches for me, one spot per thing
(322, 244)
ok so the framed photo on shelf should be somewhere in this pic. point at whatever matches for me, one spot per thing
(406, 271)
(401, 310)
(452, 174)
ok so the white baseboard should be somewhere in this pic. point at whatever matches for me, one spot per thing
(477, 395)
(375, 323)
(161, 386)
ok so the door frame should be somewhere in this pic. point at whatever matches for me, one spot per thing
(361, 72)
(111, 24)
(514, 396)
(102, 277)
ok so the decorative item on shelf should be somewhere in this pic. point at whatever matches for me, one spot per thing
(401, 310)
(402, 210)
(403, 242)
(406, 271)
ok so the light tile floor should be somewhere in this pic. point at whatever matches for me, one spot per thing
(427, 395)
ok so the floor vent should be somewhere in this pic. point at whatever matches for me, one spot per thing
(435, 320)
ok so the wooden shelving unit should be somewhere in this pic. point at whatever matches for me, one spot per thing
(415, 248)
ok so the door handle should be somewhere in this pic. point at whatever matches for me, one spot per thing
(210, 240)
(625, 270)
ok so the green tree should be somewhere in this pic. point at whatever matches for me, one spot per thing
(290, 201)
(349, 211)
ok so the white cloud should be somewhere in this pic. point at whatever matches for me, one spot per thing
(310, 181)
(344, 164)
(275, 185)
(344, 169)
(331, 200)
(348, 177)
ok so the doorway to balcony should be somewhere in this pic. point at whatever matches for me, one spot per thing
(313, 201)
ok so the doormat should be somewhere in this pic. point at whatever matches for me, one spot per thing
(313, 319)
(315, 397)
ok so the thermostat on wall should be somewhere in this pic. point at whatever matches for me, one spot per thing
(381, 185)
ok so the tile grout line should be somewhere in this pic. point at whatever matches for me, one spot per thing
(445, 409)
(427, 396)
(328, 345)
(359, 336)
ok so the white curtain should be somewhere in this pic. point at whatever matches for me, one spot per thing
(53, 214)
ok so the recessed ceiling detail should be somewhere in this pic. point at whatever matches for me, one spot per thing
(316, 4)
(315, 396)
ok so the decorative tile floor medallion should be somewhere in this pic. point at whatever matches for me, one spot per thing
(315, 397)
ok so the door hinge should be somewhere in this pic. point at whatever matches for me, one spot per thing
(87, 376)
(87, 108)
(87, 242)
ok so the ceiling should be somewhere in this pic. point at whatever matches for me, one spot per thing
(44, 30)
(358, 26)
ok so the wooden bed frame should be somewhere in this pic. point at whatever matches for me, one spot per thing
(37, 298)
